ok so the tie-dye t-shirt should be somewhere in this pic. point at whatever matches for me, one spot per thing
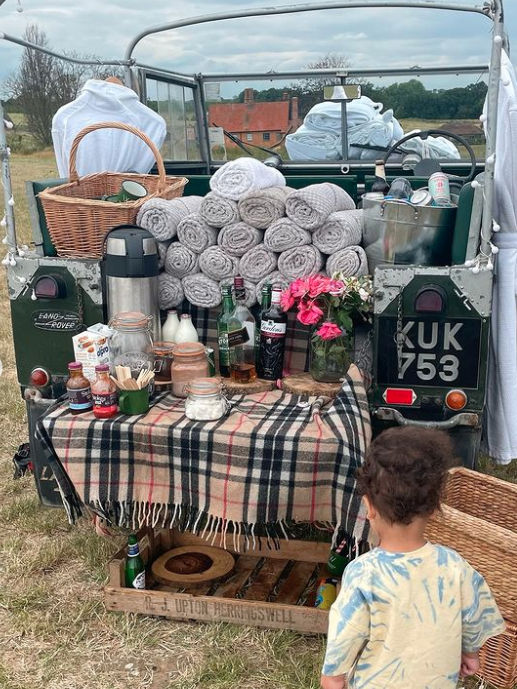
(402, 620)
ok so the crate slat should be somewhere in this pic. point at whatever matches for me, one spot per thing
(295, 583)
(261, 588)
(243, 568)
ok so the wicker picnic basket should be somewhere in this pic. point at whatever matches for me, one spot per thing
(479, 520)
(78, 219)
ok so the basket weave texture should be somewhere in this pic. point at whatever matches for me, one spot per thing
(479, 520)
(78, 220)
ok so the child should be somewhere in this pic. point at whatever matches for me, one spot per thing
(410, 614)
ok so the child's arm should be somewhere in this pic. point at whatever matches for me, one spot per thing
(480, 616)
(337, 682)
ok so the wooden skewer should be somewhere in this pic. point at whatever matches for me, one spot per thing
(117, 382)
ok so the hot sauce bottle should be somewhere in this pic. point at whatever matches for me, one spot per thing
(104, 393)
(79, 389)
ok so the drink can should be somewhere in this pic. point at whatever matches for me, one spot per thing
(421, 197)
(326, 594)
(400, 189)
(440, 189)
(211, 361)
(374, 196)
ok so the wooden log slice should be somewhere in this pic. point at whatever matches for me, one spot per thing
(258, 385)
(304, 384)
(191, 565)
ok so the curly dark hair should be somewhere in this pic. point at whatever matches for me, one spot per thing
(404, 472)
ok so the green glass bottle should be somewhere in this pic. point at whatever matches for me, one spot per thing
(135, 568)
(222, 331)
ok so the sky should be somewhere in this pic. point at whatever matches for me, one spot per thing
(370, 38)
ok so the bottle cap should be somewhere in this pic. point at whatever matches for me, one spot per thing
(75, 366)
(102, 368)
(238, 281)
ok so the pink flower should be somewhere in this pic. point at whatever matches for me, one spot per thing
(336, 287)
(286, 300)
(329, 331)
(309, 313)
(318, 284)
(299, 288)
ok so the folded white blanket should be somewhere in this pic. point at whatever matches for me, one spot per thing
(311, 206)
(250, 297)
(235, 179)
(300, 262)
(162, 217)
(307, 144)
(340, 229)
(201, 290)
(326, 116)
(238, 238)
(218, 211)
(170, 292)
(261, 208)
(284, 234)
(257, 263)
(180, 260)
(195, 233)
(350, 262)
(217, 264)
(275, 279)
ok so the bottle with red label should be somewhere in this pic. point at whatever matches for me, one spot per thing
(104, 393)
(273, 329)
(78, 389)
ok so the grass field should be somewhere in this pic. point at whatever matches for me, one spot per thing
(54, 631)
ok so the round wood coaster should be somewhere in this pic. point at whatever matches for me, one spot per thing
(192, 564)
(258, 385)
(304, 384)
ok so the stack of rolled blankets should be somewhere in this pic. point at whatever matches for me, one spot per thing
(251, 224)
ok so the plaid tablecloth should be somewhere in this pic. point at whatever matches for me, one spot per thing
(274, 460)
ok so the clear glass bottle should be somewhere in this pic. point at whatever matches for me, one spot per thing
(132, 343)
(273, 330)
(78, 389)
(170, 326)
(205, 401)
(186, 331)
(222, 331)
(104, 393)
(241, 337)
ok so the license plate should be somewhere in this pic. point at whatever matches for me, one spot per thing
(436, 353)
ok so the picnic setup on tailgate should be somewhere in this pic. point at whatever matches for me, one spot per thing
(210, 333)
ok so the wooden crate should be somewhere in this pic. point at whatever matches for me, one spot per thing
(275, 589)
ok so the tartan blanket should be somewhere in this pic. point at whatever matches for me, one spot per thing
(274, 460)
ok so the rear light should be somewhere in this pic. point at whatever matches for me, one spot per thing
(39, 378)
(404, 396)
(430, 299)
(456, 400)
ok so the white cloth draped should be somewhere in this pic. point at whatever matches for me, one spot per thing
(500, 432)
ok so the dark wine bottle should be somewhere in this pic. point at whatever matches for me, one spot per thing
(380, 185)
(273, 328)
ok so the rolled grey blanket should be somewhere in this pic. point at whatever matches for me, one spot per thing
(218, 211)
(195, 233)
(162, 253)
(262, 207)
(201, 290)
(170, 292)
(217, 264)
(275, 279)
(180, 260)
(340, 229)
(162, 217)
(350, 261)
(257, 263)
(284, 234)
(238, 238)
(300, 262)
(311, 206)
(249, 288)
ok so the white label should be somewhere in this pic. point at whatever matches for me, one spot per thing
(139, 581)
(273, 328)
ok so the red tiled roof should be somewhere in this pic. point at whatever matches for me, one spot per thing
(250, 117)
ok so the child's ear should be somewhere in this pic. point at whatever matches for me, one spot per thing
(371, 512)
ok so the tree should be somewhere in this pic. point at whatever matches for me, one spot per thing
(44, 83)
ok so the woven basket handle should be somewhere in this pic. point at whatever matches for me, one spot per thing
(74, 177)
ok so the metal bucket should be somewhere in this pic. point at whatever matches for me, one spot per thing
(400, 233)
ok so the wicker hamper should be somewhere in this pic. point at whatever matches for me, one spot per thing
(479, 520)
(78, 219)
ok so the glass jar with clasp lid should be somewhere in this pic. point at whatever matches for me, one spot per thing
(206, 400)
(132, 343)
(189, 362)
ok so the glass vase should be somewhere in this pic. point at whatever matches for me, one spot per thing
(329, 359)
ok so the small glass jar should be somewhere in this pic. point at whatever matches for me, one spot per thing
(162, 352)
(132, 343)
(189, 362)
(205, 401)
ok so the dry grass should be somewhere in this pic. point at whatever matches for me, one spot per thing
(54, 630)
